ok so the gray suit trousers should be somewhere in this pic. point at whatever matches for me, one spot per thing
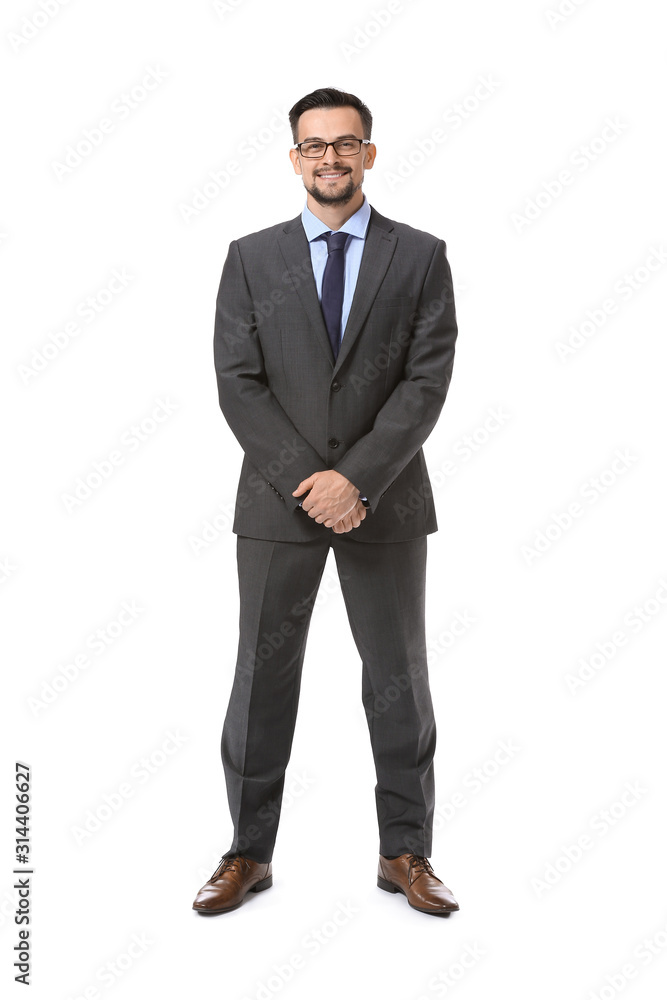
(383, 589)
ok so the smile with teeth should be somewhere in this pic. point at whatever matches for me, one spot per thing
(333, 176)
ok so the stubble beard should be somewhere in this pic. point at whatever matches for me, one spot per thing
(337, 197)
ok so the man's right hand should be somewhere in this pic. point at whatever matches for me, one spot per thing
(351, 520)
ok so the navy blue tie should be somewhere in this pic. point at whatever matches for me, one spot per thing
(333, 285)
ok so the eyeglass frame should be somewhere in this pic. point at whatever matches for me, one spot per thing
(298, 146)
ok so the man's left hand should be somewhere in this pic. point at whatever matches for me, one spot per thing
(331, 496)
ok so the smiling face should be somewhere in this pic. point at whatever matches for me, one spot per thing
(333, 179)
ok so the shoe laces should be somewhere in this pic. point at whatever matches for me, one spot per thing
(419, 865)
(228, 864)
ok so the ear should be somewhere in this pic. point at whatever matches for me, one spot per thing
(296, 163)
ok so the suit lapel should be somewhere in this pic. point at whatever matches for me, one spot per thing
(379, 247)
(295, 249)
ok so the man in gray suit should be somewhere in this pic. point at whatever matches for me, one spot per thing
(334, 346)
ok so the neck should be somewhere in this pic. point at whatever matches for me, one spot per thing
(335, 216)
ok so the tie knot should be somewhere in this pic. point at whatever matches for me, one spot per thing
(335, 241)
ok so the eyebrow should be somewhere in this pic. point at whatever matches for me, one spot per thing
(348, 135)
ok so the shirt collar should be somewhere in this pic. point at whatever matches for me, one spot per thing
(357, 224)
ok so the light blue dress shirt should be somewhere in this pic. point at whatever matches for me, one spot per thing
(357, 226)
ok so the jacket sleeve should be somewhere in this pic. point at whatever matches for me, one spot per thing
(259, 423)
(410, 413)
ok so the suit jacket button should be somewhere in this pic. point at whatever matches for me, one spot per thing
(333, 442)
(335, 386)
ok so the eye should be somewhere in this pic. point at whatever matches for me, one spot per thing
(313, 147)
(345, 144)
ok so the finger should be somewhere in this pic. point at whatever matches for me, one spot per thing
(304, 485)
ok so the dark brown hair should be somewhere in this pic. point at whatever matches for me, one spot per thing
(329, 97)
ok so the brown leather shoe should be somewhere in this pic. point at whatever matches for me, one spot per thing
(413, 876)
(227, 887)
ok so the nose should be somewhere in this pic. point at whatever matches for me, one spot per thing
(330, 164)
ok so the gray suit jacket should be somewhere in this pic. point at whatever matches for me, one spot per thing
(295, 411)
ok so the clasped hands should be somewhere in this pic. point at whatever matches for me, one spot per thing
(333, 500)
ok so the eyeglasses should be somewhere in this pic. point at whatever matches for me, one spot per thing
(316, 149)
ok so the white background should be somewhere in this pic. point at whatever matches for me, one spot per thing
(531, 919)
